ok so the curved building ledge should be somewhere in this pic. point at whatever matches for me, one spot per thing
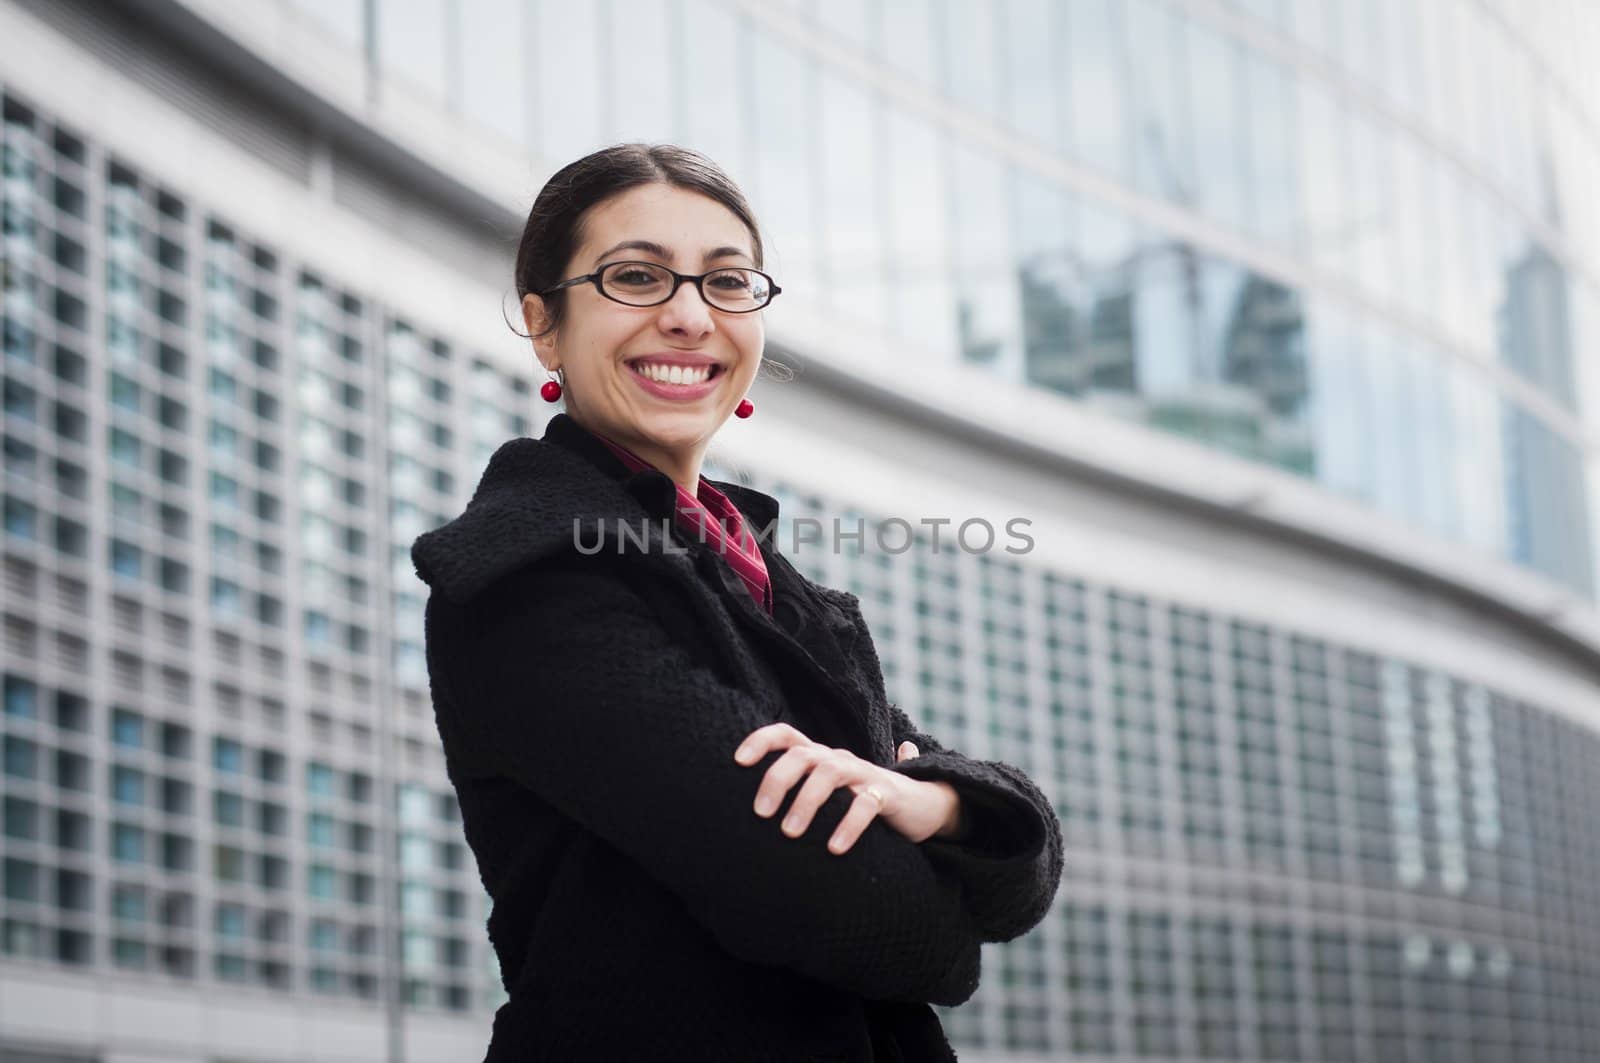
(1189, 482)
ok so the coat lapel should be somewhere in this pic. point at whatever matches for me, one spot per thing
(524, 508)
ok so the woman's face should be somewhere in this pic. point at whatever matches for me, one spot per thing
(599, 338)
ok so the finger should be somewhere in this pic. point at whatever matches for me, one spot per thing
(763, 739)
(854, 824)
(826, 776)
(907, 751)
(782, 775)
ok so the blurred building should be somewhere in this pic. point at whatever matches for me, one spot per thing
(1276, 319)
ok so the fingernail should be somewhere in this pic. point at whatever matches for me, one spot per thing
(764, 806)
(835, 844)
(742, 755)
(791, 824)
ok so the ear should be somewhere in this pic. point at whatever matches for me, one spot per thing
(536, 318)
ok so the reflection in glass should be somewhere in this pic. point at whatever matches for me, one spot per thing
(785, 151)
(568, 90)
(1214, 92)
(851, 191)
(711, 37)
(1163, 148)
(986, 311)
(342, 18)
(1032, 71)
(495, 81)
(411, 38)
(971, 50)
(919, 215)
(642, 82)
(1096, 91)
(1547, 513)
(1273, 179)
(912, 38)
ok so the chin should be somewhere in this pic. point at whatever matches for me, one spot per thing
(670, 429)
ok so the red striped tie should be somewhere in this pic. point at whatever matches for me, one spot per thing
(713, 519)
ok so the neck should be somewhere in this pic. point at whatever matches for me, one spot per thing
(683, 466)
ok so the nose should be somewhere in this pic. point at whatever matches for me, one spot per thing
(686, 314)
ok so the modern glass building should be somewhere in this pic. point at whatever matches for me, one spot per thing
(1276, 322)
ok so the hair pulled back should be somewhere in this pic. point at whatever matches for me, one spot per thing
(554, 229)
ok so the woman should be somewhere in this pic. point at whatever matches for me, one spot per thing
(633, 692)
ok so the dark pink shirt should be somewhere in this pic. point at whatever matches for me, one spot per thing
(714, 520)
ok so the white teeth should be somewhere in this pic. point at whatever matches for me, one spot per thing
(676, 374)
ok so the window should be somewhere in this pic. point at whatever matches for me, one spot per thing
(416, 899)
(127, 728)
(415, 853)
(128, 904)
(21, 518)
(127, 844)
(228, 808)
(224, 489)
(229, 863)
(319, 830)
(126, 559)
(21, 697)
(321, 882)
(318, 628)
(127, 785)
(271, 766)
(230, 921)
(226, 597)
(21, 758)
(227, 755)
(21, 819)
(125, 448)
(224, 440)
(324, 936)
(319, 780)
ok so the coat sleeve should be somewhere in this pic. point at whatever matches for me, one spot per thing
(563, 679)
(1008, 855)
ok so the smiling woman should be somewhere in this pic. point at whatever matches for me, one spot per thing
(707, 833)
(601, 292)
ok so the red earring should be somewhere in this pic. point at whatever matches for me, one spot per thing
(744, 409)
(551, 391)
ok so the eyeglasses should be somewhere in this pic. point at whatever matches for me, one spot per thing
(734, 289)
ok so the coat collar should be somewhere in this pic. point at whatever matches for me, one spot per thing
(532, 490)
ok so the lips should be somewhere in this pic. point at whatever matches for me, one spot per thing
(676, 392)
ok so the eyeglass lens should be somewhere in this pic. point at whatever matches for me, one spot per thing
(645, 284)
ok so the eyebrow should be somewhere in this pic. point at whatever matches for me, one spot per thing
(652, 248)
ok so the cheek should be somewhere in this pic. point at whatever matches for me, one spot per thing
(598, 342)
(750, 339)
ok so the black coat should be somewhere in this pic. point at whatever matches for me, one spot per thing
(589, 706)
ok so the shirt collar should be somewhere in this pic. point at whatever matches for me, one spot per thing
(654, 488)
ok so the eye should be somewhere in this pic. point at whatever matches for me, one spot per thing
(634, 276)
(731, 280)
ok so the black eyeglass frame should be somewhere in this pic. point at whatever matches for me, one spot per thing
(699, 280)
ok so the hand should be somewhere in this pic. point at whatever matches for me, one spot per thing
(918, 810)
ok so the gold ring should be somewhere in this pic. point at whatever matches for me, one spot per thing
(873, 790)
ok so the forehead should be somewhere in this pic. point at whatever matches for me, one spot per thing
(686, 223)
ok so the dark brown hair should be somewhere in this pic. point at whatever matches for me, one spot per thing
(555, 224)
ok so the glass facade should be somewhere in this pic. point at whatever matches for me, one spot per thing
(1354, 241)
(1300, 232)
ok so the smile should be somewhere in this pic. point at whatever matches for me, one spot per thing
(679, 383)
(663, 373)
